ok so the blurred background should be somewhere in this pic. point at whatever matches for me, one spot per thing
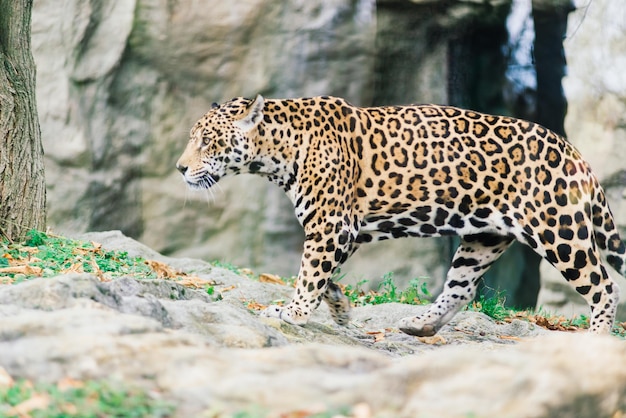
(121, 82)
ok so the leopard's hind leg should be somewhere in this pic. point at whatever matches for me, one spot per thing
(472, 259)
(338, 303)
(580, 263)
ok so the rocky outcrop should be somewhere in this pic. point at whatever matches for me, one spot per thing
(120, 83)
(210, 355)
(596, 92)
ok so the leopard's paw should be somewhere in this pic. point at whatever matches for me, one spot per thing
(284, 313)
(419, 326)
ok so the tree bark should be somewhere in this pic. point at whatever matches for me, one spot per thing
(22, 182)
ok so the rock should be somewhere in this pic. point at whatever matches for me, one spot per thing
(595, 88)
(210, 355)
(123, 83)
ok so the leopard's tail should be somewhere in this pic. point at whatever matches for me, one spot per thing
(606, 234)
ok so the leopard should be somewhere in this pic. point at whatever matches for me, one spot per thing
(356, 175)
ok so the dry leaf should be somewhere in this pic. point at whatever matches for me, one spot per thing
(255, 305)
(434, 340)
(99, 273)
(246, 271)
(5, 379)
(361, 410)
(298, 414)
(24, 269)
(74, 268)
(23, 261)
(229, 288)
(378, 335)
(554, 324)
(37, 401)
(30, 250)
(69, 383)
(82, 251)
(509, 338)
(162, 270)
(196, 282)
(270, 278)
(69, 409)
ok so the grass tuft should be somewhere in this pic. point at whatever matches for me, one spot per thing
(415, 294)
(494, 307)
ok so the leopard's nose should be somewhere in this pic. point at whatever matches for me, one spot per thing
(181, 168)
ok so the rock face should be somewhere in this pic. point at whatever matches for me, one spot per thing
(595, 122)
(208, 355)
(121, 83)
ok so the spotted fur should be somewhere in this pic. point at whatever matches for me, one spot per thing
(358, 175)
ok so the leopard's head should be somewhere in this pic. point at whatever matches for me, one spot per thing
(221, 142)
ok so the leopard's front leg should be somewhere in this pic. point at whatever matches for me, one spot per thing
(323, 253)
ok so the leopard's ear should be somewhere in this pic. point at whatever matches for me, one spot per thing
(252, 116)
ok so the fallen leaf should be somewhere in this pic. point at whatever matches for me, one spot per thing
(255, 306)
(298, 414)
(162, 270)
(69, 408)
(434, 340)
(69, 383)
(37, 401)
(23, 269)
(361, 410)
(229, 288)
(554, 324)
(5, 379)
(509, 338)
(271, 278)
(98, 272)
(196, 282)
(23, 261)
(83, 251)
(378, 335)
(246, 271)
(30, 250)
(74, 268)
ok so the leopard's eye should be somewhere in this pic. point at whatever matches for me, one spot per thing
(205, 140)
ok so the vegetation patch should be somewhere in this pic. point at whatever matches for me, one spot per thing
(387, 292)
(48, 255)
(74, 398)
(494, 307)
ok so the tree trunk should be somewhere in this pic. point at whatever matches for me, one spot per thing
(22, 183)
